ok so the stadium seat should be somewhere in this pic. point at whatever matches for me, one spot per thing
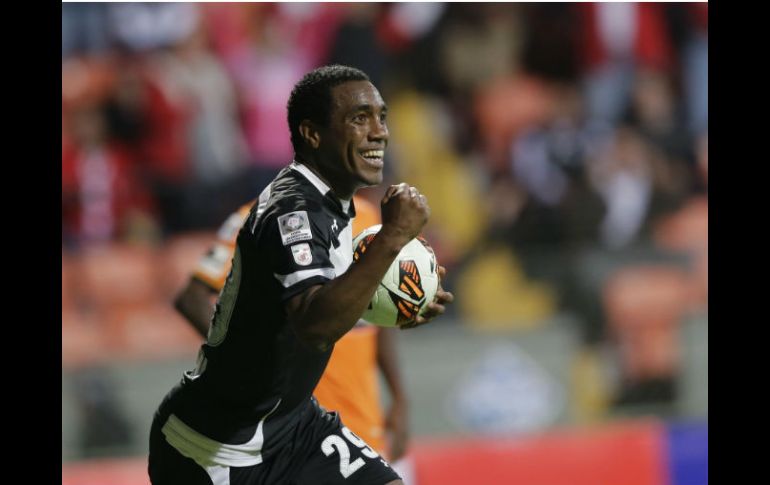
(644, 305)
(128, 290)
(68, 280)
(119, 274)
(84, 341)
(179, 256)
(687, 231)
(498, 295)
(503, 108)
(153, 331)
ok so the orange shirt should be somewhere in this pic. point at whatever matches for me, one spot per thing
(350, 383)
(214, 266)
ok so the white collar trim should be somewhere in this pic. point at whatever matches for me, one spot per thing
(312, 177)
(317, 182)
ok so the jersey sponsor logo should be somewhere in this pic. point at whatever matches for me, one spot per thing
(294, 227)
(303, 256)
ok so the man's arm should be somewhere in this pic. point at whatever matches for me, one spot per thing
(324, 313)
(397, 416)
(196, 303)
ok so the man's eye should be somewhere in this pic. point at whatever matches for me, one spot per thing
(359, 118)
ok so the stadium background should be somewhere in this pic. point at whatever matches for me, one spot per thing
(563, 149)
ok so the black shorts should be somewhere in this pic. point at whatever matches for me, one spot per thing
(323, 452)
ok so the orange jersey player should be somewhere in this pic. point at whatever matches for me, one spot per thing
(350, 383)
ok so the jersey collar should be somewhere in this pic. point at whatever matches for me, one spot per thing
(312, 177)
(319, 184)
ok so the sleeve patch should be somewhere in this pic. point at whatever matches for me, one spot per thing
(294, 227)
(303, 256)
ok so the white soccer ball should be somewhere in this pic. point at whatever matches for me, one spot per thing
(408, 286)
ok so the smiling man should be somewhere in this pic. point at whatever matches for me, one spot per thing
(246, 414)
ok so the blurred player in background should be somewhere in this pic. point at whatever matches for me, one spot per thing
(350, 384)
(246, 415)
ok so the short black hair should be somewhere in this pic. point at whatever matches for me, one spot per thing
(311, 97)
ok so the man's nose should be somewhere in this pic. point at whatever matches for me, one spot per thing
(379, 131)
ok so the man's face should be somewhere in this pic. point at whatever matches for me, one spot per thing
(353, 144)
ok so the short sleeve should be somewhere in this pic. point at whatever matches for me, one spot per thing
(297, 244)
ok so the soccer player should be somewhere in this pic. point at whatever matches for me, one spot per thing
(245, 414)
(350, 383)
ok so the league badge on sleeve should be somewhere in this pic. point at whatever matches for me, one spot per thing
(294, 227)
(303, 256)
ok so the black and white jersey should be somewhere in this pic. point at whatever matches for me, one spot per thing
(254, 378)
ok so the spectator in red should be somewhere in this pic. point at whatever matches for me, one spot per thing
(102, 199)
(615, 39)
(148, 122)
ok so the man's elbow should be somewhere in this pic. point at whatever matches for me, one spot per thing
(315, 336)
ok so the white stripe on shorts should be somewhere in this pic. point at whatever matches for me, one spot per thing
(220, 475)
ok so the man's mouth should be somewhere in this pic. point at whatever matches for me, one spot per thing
(374, 157)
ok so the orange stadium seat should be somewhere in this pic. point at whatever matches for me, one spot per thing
(503, 107)
(117, 279)
(119, 274)
(84, 340)
(128, 291)
(153, 331)
(687, 231)
(68, 273)
(644, 304)
(180, 256)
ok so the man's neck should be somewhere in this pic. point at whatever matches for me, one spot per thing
(313, 166)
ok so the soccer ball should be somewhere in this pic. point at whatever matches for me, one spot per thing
(407, 287)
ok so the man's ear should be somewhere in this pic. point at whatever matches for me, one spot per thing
(309, 132)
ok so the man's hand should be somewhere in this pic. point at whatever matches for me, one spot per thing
(435, 308)
(404, 213)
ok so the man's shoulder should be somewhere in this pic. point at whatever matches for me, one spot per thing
(293, 212)
(291, 191)
(293, 208)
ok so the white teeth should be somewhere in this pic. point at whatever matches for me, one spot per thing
(373, 154)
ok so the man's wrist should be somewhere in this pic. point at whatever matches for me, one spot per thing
(393, 239)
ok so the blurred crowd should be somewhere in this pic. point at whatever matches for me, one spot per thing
(556, 143)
